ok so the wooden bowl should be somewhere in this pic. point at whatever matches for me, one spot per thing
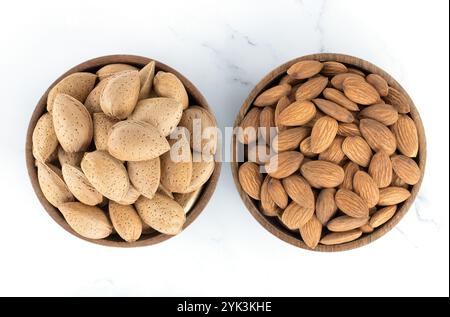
(273, 225)
(93, 65)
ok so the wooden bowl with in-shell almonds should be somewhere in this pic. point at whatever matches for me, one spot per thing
(96, 153)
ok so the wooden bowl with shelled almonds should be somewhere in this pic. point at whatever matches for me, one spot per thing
(345, 161)
(93, 222)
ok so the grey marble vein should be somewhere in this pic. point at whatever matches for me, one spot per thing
(237, 34)
(399, 230)
(175, 33)
(238, 73)
(422, 209)
(319, 26)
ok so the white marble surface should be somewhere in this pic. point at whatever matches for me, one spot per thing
(224, 47)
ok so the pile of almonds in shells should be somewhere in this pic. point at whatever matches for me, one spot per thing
(343, 157)
(103, 148)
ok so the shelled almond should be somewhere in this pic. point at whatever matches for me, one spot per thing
(103, 152)
(343, 154)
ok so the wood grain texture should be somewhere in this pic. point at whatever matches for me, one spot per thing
(92, 66)
(272, 225)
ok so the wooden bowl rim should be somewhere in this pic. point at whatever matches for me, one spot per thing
(277, 230)
(92, 65)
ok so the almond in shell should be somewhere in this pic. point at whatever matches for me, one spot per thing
(120, 94)
(73, 159)
(44, 138)
(72, 122)
(102, 125)
(164, 191)
(132, 140)
(163, 113)
(201, 172)
(126, 221)
(168, 85)
(111, 69)
(53, 157)
(80, 186)
(188, 200)
(52, 184)
(146, 229)
(146, 75)
(88, 221)
(201, 126)
(92, 102)
(145, 176)
(76, 85)
(106, 174)
(130, 197)
(176, 166)
(161, 213)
